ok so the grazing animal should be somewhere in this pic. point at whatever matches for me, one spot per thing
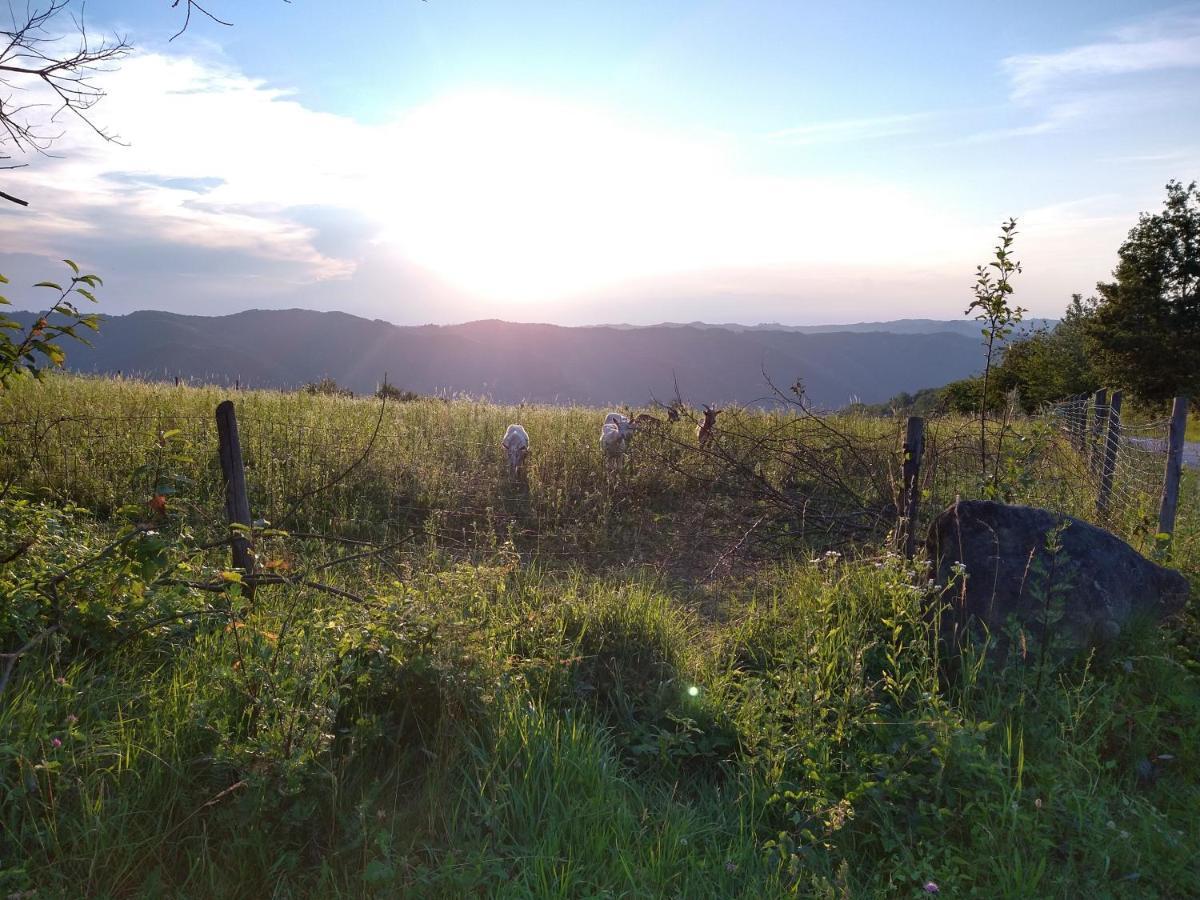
(612, 442)
(621, 421)
(516, 445)
(706, 429)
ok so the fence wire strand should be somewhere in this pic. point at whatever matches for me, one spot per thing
(837, 479)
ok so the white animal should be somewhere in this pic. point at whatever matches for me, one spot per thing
(612, 442)
(622, 422)
(516, 445)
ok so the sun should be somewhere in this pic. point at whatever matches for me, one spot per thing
(530, 202)
(528, 199)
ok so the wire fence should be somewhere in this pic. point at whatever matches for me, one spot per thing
(768, 480)
(1121, 463)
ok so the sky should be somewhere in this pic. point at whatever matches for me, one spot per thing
(584, 162)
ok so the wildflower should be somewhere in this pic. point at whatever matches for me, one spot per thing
(930, 887)
(60, 681)
(55, 743)
(730, 866)
(1037, 803)
(72, 718)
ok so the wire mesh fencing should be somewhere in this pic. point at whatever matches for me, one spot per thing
(1120, 462)
(769, 482)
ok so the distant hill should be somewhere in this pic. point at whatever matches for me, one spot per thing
(966, 327)
(540, 363)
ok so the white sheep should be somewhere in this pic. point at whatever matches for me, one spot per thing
(621, 421)
(612, 442)
(516, 445)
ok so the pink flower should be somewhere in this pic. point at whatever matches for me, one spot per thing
(55, 743)
(60, 681)
(72, 718)
(932, 888)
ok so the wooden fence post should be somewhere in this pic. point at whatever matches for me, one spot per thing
(1170, 492)
(1111, 446)
(1099, 422)
(237, 503)
(914, 449)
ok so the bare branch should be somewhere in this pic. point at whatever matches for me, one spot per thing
(187, 18)
(49, 67)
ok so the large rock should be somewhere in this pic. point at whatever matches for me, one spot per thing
(1051, 576)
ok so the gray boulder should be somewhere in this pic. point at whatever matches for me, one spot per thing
(1055, 578)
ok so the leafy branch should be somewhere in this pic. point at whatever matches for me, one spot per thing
(36, 350)
(992, 308)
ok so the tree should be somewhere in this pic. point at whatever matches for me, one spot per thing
(1146, 325)
(993, 285)
(1048, 364)
(43, 77)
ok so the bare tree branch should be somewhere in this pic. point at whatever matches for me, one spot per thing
(49, 66)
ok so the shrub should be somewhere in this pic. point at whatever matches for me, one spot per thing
(396, 395)
(327, 387)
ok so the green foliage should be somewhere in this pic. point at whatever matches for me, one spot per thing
(481, 723)
(992, 308)
(1048, 365)
(33, 351)
(327, 387)
(1146, 325)
(396, 395)
(925, 402)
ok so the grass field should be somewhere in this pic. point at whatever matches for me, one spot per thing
(579, 685)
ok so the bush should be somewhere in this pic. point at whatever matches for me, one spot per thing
(327, 387)
(396, 395)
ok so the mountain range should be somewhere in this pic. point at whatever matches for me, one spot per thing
(511, 362)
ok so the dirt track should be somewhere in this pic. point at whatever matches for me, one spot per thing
(1191, 449)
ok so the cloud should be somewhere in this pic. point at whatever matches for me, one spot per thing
(200, 185)
(1156, 44)
(496, 196)
(850, 130)
(1056, 118)
(472, 204)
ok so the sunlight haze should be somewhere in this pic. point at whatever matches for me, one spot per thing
(584, 163)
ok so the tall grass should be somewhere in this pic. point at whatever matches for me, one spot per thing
(493, 722)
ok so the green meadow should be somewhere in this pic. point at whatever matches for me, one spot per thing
(586, 681)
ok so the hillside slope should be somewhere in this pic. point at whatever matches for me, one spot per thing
(513, 362)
